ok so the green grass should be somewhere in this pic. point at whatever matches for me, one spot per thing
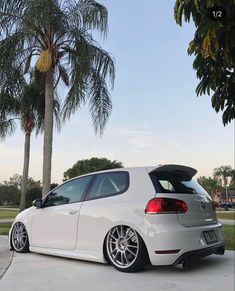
(4, 228)
(229, 237)
(8, 214)
(227, 215)
(11, 206)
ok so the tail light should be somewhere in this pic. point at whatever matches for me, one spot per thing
(165, 206)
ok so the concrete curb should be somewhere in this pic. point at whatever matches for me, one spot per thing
(6, 255)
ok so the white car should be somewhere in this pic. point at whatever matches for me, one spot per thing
(127, 217)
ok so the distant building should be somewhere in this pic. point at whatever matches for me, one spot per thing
(221, 196)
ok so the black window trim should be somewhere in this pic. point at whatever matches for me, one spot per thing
(70, 180)
(86, 198)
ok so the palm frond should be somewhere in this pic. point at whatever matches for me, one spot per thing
(64, 75)
(88, 14)
(85, 58)
(10, 15)
(100, 102)
(57, 113)
(79, 62)
(13, 53)
(103, 63)
(7, 127)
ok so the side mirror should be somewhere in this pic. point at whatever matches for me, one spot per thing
(37, 203)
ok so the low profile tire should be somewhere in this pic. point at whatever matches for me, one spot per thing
(19, 238)
(125, 249)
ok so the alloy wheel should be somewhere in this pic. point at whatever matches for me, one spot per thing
(19, 237)
(122, 246)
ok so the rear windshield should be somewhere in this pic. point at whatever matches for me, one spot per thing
(165, 182)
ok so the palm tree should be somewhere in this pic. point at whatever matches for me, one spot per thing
(28, 108)
(209, 184)
(223, 172)
(57, 39)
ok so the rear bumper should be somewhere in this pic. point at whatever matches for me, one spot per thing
(218, 249)
(185, 240)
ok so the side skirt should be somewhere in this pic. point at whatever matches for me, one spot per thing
(73, 254)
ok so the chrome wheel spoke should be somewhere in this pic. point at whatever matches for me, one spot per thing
(121, 230)
(127, 232)
(113, 237)
(122, 258)
(115, 250)
(117, 230)
(130, 251)
(125, 256)
(130, 237)
(132, 246)
(116, 255)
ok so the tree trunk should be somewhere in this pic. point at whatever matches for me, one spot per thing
(25, 170)
(48, 132)
(226, 192)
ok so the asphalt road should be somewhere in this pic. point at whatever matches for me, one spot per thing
(36, 272)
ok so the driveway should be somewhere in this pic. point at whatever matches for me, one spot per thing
(5, 255)
(39, 272)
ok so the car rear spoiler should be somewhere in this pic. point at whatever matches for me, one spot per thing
(176, 169)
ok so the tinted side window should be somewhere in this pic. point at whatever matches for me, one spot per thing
(69, 192)
(109, 184)
(165, 182)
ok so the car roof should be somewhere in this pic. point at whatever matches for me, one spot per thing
(151, 169)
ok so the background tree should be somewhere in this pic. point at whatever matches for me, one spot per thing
(91, 165)
(53, 185)
(214, 49)
(27, 106)
(58, 36)
(209, 184)
(14, 181)
(223, 173)
(10, 190)
(9, 195)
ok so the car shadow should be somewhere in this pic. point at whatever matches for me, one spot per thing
(200, 264)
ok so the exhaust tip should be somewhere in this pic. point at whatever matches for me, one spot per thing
(220, 251)
(184, 264)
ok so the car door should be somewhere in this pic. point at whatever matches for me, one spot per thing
(55, 224)
(98, 209)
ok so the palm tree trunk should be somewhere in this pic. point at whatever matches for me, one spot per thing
(226, 192)
(25, 170)
(48, 132)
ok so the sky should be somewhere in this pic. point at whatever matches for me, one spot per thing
(157, 117)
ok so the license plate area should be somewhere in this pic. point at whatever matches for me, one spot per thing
(210, 236)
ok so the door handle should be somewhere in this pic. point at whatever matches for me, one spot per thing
(71, 212)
